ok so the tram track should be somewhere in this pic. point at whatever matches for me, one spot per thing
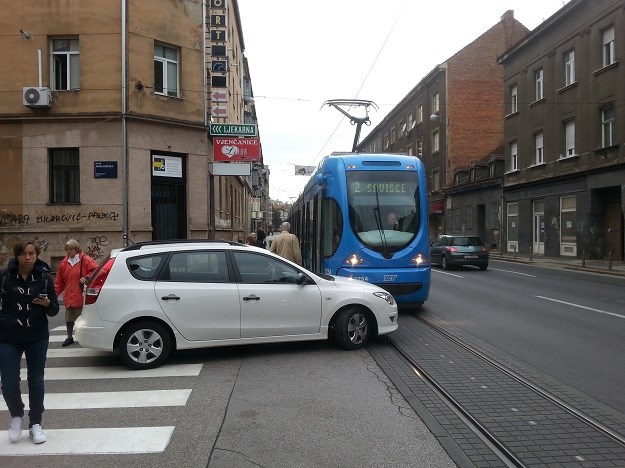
(517, 420)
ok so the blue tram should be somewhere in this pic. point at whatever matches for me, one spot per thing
(364, 216)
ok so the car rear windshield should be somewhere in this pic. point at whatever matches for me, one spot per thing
(472, 241)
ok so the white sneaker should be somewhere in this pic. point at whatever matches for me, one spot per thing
(36, 433)
(15, 431)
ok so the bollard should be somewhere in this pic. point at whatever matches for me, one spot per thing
(531, 254)
(583, 259)
(610, 260)
(514, 250)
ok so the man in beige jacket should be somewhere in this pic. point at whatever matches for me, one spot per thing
(287, 245)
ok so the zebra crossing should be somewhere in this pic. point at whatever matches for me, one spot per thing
(98, 440)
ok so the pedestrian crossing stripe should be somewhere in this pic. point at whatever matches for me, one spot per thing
(127, 399)
(118, 372)
(92, 441)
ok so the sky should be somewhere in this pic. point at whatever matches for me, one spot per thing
(302, 53)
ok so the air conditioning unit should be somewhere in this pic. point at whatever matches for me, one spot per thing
(36, 97)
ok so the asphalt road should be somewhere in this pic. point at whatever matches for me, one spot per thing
(566, 324)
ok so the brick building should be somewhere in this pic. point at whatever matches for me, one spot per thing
(451, 118)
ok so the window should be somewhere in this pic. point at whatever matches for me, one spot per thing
(608, 47)
(64, 175)
(457, 224)
(538, 82)
(569, 68)
(393, 135)
(435, 103)
(197, 267)
(420, 113)
(385, 141)
(494, 216)
(567, 219)
(65, 64)
(469, 217)
(538, 143)
(436, 180)
(569, 131)
(261, 269)
(435, 141)
(514, 157)
(513, 226)
(514, 99)
(420, 147)
(607, 126)
(331, 226)
(166, 70)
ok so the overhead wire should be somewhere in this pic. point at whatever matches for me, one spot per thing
(364, 79)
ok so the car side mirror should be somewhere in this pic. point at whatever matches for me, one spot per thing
(302, 279)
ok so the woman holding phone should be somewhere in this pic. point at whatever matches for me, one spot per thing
(74, 270)
(27, 299)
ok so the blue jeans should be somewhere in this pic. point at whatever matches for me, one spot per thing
(10, 363)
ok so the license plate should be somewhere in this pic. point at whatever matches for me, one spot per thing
(470, 256)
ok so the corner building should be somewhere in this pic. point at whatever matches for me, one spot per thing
(104, 111)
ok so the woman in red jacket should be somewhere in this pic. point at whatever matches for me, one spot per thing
(74, 270)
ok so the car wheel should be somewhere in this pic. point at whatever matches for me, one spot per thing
(444, 264)
(483, 267)
(352, 329)
(144, 345)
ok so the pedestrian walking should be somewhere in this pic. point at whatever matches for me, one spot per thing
(251, 239)
(286, 244)
(260, 236)
(27, 299)
(74, 271)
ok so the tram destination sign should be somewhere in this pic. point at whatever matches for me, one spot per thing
(233, 129)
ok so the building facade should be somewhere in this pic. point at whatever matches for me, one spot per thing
(452, 118)
(104, 115)
(564, 193)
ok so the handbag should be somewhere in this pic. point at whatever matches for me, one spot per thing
(82, 285)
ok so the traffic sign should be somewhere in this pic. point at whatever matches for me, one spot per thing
(218, 110)
(232, 129)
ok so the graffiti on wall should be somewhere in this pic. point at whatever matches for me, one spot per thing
(12, 219)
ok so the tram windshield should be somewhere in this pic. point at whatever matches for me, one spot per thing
(383, 208)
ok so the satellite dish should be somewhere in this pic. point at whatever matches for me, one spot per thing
(31, 96)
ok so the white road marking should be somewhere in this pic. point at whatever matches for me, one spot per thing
(61, 328)
(57, 338)
(76, 352)
(90, 441)
(582, 307)
(515, 272)
(446, 273)
(109, 372)
(131, 399)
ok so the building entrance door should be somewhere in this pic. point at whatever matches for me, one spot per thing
(539, 228)
(613, 229)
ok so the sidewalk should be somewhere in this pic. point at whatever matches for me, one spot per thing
(615, 268)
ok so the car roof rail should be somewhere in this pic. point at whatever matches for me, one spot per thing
(140, 245)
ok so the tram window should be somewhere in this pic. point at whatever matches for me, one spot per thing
(331, 227)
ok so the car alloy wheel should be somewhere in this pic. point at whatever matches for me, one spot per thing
(352, 329)
(144, 345)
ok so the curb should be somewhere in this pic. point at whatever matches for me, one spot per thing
(549, 264)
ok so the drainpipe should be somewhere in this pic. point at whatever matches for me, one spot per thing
(124, 141)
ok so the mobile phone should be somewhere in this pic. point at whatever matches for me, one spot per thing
(43, 296)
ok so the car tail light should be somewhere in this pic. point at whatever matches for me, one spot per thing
(97, 281)
(452, 249)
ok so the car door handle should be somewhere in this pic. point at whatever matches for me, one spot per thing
(251, 298)
(170, 298)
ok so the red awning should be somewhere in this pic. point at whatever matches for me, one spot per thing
(436, 207)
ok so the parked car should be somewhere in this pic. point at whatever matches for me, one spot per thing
(454, 250)
(149, 299)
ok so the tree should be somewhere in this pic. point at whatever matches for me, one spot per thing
(276, 220)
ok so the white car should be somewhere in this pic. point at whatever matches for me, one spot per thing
(150, 299)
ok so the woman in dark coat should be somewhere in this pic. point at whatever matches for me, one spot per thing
(27, 299)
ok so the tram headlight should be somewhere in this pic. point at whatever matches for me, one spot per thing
(354, 260)
(386, 296)
(420, 260)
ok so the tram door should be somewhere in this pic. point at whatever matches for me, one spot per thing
(539, 228)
